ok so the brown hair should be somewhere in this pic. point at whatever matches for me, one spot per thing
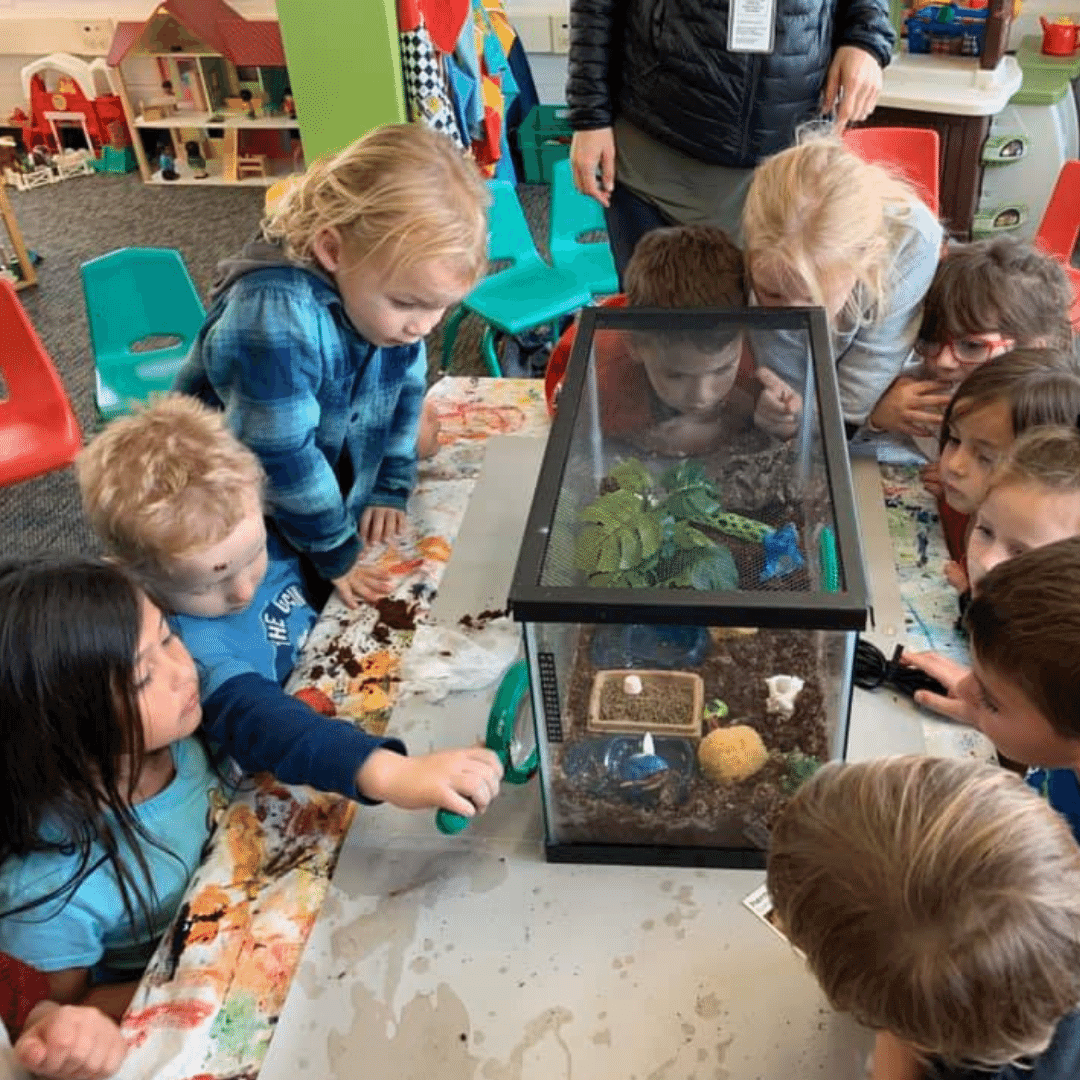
(166, 481)
(936, 899)
(687, 267)
(1048, 455)
(1001, 284)
(819, 205)
(402, 193)
(1024, 622)
(1042, 386)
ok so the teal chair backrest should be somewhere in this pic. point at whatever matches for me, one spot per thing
(508, 231)
(144, 314)
(571, 212)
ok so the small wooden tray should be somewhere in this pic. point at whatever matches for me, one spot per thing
(655, 678)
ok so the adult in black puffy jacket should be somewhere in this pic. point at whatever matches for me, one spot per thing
(690, 116)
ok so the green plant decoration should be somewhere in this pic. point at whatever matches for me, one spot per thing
(643, 533)
(800, 767)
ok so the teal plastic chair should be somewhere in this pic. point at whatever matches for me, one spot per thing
(526, 294)
(573, 214)
(144, 314)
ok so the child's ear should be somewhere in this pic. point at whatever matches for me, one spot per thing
(327, 249)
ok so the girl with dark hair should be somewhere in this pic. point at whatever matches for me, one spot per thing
(105, 797)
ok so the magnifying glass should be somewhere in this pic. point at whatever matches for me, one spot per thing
(510, 734)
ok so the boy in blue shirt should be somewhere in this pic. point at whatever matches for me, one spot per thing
(177, 500)
(1023, 689)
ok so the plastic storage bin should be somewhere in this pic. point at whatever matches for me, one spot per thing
(544, 138)
(689, 623)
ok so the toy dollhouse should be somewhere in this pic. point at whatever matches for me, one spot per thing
(207, 95)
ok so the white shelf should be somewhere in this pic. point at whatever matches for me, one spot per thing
(187, 178)
(227, 120)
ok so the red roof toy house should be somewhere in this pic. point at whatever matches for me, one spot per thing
(208, 95)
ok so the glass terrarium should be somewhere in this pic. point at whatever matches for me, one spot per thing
(690, 584)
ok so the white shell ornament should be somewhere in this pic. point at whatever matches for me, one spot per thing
(783, 690)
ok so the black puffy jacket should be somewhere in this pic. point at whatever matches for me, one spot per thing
(665, 67)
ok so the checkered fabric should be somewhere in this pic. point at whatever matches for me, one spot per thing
(426, 91)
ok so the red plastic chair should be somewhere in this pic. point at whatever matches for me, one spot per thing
(1060, 227)
(915, 153)
(38, 430)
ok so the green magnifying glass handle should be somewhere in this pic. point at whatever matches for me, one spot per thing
(500, 733)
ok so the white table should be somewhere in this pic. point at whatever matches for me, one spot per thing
(471, 957)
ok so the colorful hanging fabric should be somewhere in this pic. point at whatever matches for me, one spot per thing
(427, 91)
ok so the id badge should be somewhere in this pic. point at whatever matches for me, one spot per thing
(751, 24)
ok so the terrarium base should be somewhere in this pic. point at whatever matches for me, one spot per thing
(655, 855)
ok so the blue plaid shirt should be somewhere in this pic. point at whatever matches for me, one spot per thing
(333, 418)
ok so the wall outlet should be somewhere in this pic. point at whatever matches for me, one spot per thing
(96, 36)
(560, 34)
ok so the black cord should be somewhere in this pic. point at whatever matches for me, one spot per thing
(873, 670)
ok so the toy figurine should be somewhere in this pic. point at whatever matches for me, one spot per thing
(196, 161)
(167, 163)
(246, 98)
(288, 104)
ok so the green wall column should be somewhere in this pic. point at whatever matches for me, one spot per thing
(344, 69)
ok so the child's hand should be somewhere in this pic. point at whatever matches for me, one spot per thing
(73, 1042)
(380, 523)
(956, 576)
(363, 585)
(950, 674)
(461, 781)
(778, 406)
(427, 440)
(931, 478)
(911, 407)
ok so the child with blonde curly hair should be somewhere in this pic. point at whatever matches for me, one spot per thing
(823, 227)
(314, 342)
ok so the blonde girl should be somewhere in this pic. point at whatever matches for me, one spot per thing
(314, 341)
(1033, 499)
(823, 227)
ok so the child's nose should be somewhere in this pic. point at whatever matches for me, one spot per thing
(241, 591)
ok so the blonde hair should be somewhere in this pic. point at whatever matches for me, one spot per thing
(402, 194)
(817, 206)
(937, 899)
(166, 481)
(1048, 456)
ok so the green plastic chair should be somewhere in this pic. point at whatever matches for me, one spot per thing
(144, 314)
(526, 294)
(573, 214)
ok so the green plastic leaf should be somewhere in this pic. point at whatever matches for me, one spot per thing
(715, 571)
(610, 554)
(613, 508)
(686, 536)
(629, 548)
(632, 476)
(587, 551)
(650, 535)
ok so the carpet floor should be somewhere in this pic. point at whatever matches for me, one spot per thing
(79, 219)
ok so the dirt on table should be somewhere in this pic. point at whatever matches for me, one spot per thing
(689, 810)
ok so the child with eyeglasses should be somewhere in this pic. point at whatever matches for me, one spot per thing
(986, 299)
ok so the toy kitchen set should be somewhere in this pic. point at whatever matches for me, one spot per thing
(1007, 122)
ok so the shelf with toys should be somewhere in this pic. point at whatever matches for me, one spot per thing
(207, 96)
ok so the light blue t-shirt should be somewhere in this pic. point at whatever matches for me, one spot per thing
(91, 927)
(264, 638)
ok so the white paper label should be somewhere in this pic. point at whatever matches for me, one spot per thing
(750, 25)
